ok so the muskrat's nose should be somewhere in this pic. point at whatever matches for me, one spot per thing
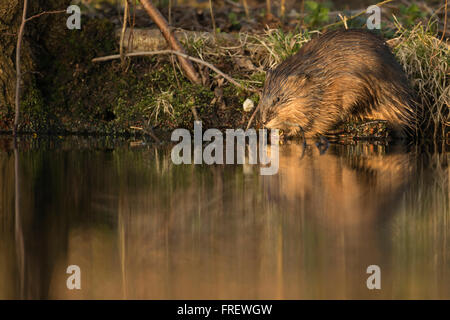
(264, 117)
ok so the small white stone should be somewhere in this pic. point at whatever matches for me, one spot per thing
(248, 105)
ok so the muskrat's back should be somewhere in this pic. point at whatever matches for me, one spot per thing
(341, 74)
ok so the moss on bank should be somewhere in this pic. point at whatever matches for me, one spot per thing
(75, 95)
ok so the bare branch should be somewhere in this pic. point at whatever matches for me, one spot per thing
(252, 117)
(149, 132)
(268, 8)
(162, 24)
(213, 21)
(18, 72)
(245, 5)
(122, 35)
(445, 21)
(43, 13)
(181, 54)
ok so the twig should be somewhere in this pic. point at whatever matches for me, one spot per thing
(149, 132)
(161, 22)
(213, 21)
(18, 72)
(172, 62)
(245, 5)
(252, 117)
(43, 13)
(170, 12)
(282, 8)
(194, 112)
(344, 20)
(122, 35)
(379, 4)
(445, 22)
(131, 33)
(268, 8)
(148, 53)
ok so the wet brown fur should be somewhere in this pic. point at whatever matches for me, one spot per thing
(340, 75)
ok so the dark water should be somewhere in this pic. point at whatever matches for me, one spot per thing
(140, 227)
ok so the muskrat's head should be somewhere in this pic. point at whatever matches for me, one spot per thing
(284, 101)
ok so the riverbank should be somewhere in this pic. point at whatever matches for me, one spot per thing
(70, 94)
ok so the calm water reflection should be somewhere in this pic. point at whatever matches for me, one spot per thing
(141, 227)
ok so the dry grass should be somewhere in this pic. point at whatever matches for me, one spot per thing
(279, 45)
(162, 105)
(264, 50)
(426, 61)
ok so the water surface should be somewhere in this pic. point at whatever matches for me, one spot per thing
(141, 227)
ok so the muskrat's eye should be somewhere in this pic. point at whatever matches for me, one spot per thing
(276, 100)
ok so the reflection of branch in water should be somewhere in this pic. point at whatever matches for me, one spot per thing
(122, 253)
(18, 226)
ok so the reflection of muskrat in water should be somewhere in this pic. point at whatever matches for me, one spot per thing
(339, 75)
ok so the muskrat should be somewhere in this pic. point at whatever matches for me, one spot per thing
(339, 75)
